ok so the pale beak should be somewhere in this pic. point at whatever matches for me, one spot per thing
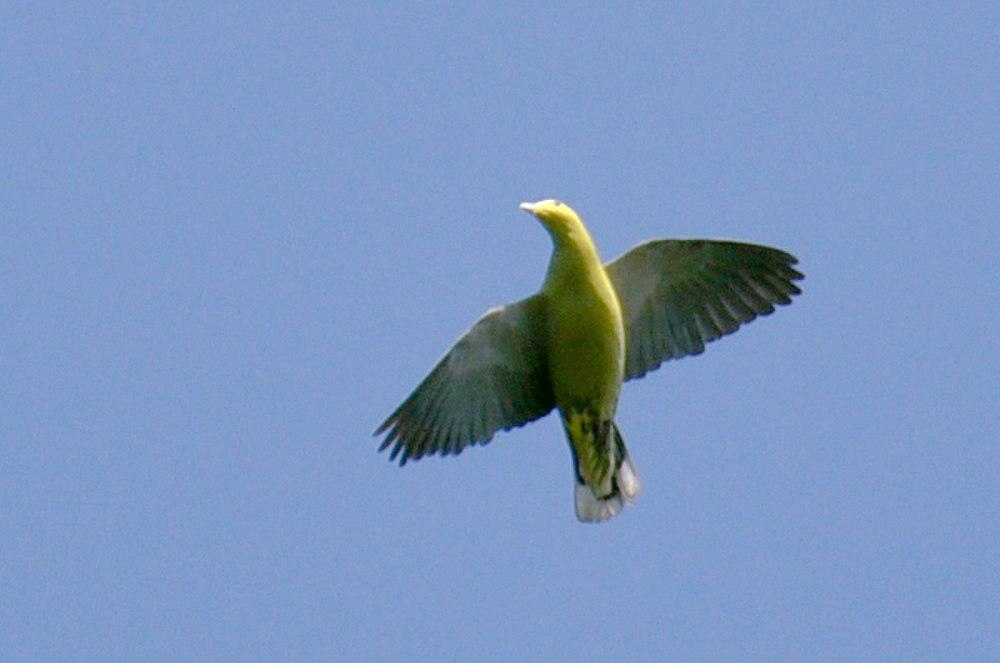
(528, 207)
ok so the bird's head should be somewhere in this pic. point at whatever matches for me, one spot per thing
(557, 217)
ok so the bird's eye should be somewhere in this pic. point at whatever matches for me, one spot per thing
(557, 203)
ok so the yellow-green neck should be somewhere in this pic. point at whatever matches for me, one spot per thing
(574, 255)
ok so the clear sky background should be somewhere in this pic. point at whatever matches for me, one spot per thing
(235, 236)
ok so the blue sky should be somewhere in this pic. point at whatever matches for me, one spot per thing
(237, 235)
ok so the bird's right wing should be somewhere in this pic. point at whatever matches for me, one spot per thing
(494, 378)
(677, 295)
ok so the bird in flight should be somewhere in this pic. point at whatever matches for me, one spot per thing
(570, 346)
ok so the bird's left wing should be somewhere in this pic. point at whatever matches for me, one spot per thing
(494, 378)
(678, 295)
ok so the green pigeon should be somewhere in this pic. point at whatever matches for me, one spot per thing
(570, 346)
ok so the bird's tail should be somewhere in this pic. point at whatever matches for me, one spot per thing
(594, 505)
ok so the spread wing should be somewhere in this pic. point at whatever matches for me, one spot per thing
(678, 295)
(494, 378)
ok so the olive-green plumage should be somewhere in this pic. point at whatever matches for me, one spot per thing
(571, 346)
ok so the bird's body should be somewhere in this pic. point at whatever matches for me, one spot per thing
(586, 341)
(585, 329)
(591, 327)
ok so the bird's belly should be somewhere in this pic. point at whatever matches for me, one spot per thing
(587, 359)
